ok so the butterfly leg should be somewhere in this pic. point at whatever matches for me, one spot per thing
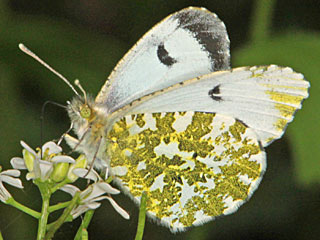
(94, 156)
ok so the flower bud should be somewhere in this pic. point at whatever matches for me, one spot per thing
(81, 162)
(60, 171)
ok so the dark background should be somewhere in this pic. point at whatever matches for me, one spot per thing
(85, 39)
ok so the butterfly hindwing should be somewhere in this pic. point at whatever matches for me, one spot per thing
(193, 166)
(265, 98)
(186, 44)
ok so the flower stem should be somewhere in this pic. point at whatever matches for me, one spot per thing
(142, 217)
(261, 20)
(1, 238)
(59, 185)
(66, 213)
(23, 208)
(84, 225)
(58, 206)
(45, 194)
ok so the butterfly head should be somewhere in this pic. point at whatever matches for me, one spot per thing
(81, 110)
(86, 111)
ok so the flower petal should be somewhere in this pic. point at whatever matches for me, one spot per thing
(16, 182)
(76, 212)
(68, 188)
(29, 149)
(109, 189)
(62, 158)
(11, 172)
(120, 210)
(93, 191)
(4, 194)
(45, 169)
(83, 173)
(100, 198)
(18, 163)
(53, 148)
(93, 205)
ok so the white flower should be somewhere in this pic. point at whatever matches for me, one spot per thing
(90, 197)
(40, 164)
(10, 177)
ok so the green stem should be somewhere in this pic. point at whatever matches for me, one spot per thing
(23, 208)
(66, 213)
(59, 206)
(1, 238)
(261, 20)
(51, 225)
(45, 194)
(59, 185)
(84, 225)
(142, 217)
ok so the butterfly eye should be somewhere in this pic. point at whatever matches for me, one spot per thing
(85, 112)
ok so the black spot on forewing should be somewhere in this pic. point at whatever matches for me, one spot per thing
(210, 32)
(214, 92)
(164, 57)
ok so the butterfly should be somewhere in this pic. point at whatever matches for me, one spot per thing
(173, 120)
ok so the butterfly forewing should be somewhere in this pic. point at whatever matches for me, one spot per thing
(186, 44)
(193, 166)
(264, 98)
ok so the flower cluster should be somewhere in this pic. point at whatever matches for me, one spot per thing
(48, 163)
(49, 166)
(91, 195)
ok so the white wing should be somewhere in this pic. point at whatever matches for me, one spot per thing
(264, 98)
(186, 44)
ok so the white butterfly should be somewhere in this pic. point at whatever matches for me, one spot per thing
(174, 121)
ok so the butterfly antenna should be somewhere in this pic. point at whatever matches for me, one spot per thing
(24, 49)
(77, 83)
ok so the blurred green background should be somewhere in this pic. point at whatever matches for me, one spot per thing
(85, 39)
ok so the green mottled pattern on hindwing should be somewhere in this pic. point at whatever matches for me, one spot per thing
(192, 165)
